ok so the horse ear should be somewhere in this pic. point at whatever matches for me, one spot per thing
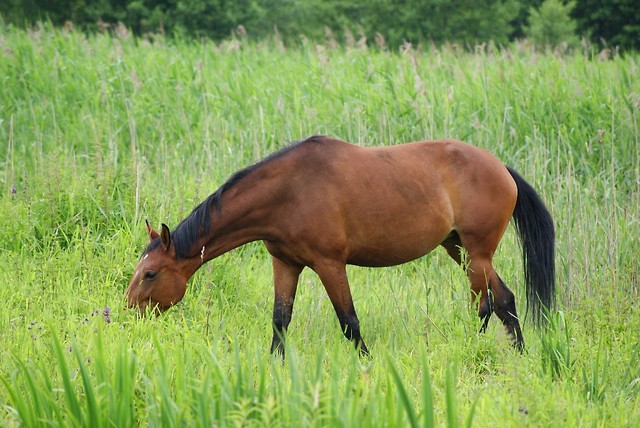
(165, 236)
(153, 235)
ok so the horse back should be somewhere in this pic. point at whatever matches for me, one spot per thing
(381, 206)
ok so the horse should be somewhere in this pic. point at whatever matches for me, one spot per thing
(324, 203)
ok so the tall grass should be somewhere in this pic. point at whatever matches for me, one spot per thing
(98, 133)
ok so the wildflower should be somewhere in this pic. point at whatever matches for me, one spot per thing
(106, 314)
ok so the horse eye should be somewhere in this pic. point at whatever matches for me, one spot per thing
(150, 275)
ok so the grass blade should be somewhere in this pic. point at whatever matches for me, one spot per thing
(74, 409)
(450, 394)
(427, 396)
(404, 397)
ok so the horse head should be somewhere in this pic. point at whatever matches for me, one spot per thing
(160, 279)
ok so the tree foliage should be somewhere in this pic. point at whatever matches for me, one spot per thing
(467, 22)
(551, 25)
(611, 22)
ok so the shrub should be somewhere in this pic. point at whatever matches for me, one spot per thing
(551, 25)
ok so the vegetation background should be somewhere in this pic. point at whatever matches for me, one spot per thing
(613, 23)
(101, 130)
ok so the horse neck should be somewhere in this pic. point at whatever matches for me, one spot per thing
(243, 217)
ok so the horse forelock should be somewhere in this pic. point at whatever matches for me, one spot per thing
(150, 247)
(187, 233)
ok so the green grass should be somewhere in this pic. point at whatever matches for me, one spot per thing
(98, 133)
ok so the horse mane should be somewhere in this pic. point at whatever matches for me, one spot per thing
(198, 223)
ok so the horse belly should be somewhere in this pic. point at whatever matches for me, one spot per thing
(389, 246)
(383, 258)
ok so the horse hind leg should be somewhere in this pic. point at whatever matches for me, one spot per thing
(505, 308)
(479, 286)
(479, 272)
(453, 245)
(488, 290)
(494, 296)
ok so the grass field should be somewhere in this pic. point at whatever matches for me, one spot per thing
(99, 133)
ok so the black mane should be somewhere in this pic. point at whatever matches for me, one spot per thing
(198, 223)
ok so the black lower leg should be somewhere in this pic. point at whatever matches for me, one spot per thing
(281, 320)
(277, 343)
(351, 329)
(505, 308)
(512, 325)
(485, 309)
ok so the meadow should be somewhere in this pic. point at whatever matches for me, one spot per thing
(99, 133)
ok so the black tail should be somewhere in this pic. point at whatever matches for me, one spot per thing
(537, 236)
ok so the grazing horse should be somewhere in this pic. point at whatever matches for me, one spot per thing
(325, 203)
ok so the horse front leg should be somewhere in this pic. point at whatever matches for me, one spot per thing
(285, 280)
(334, 278)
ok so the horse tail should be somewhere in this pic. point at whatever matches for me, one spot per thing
(536, 231)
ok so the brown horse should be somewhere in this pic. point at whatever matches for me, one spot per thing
(325, 203)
